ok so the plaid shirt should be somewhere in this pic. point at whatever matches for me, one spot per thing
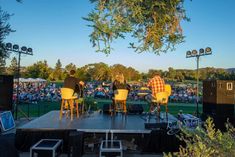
(157, 84)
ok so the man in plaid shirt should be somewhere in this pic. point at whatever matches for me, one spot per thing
(156, 84)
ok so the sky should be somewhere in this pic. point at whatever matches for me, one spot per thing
(55, 30)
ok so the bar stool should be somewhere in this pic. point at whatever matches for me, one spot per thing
(161, 98)
(68, 101)
(120, 96)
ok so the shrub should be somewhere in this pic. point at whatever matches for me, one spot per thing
(207, 142)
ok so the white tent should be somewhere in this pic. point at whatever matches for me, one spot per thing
(30, 80)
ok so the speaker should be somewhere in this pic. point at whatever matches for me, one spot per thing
(135, 108)
(218, 109)
(76, 143)
(218, 101)
(219, 92)
(107, 108)
(6, 92)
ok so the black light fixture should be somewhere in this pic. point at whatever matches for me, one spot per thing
(30, 51)
(201, 51)
(194, 53)
(9, 45)
(188, 54)
(208, 51)
(15, 47)
(23, 50)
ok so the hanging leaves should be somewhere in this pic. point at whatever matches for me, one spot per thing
(154, 25)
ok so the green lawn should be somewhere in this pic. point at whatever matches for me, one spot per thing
(36, 110)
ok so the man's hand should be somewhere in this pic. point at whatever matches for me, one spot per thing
(81, 83)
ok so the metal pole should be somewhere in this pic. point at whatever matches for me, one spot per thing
(18, 84)
(197, 84)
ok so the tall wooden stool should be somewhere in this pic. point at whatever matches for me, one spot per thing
(120, 96)
(68, 102)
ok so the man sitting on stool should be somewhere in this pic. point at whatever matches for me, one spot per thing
(73, 83)
(156, 84)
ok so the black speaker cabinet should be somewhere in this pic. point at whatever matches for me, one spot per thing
(6, 92)
(218, 101)
(135, 108)
(219, 92)
(225, 110)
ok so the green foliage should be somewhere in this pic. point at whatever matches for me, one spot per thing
(154, 25)
(207, 142)
(129, 73)
(70, 67)
(57, 73)
(38, 70)
(12, 70)
(103, 72)
(98, 71)
(5, 30)
(153, 72)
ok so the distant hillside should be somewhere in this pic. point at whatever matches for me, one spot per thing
(231, 70)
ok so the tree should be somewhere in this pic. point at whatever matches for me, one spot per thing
(81, 73)
(154, 25)
(13, 68)
(70, 67)
(57, 74)
(98, 71)
(117, 69)
(38, 70)
(132, 74)
(153, 72)
(171, 73)
(207, 142)
(5, 30)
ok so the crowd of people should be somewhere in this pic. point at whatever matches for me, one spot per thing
(33, 92)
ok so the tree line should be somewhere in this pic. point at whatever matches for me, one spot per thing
(103, 72)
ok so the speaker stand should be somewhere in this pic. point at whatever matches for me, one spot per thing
(17, 108)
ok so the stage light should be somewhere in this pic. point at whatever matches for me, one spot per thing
(9, 45)
(194, 53)
(208, 51)
(23, 48)
(188, 54)
(15, 47)
(201, 52)
(30, 50)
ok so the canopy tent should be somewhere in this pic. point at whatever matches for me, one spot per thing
(30, 80)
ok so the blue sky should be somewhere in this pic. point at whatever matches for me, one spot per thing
(55, 30)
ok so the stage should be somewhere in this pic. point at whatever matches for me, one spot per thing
(96, 124)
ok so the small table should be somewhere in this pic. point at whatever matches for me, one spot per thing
(49, 146)
(111, 146)
(114, 146)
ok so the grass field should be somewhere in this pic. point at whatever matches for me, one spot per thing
(36, 110)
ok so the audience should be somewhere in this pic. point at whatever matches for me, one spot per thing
(33, 92)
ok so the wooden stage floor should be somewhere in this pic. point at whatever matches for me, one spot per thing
(93, 122)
